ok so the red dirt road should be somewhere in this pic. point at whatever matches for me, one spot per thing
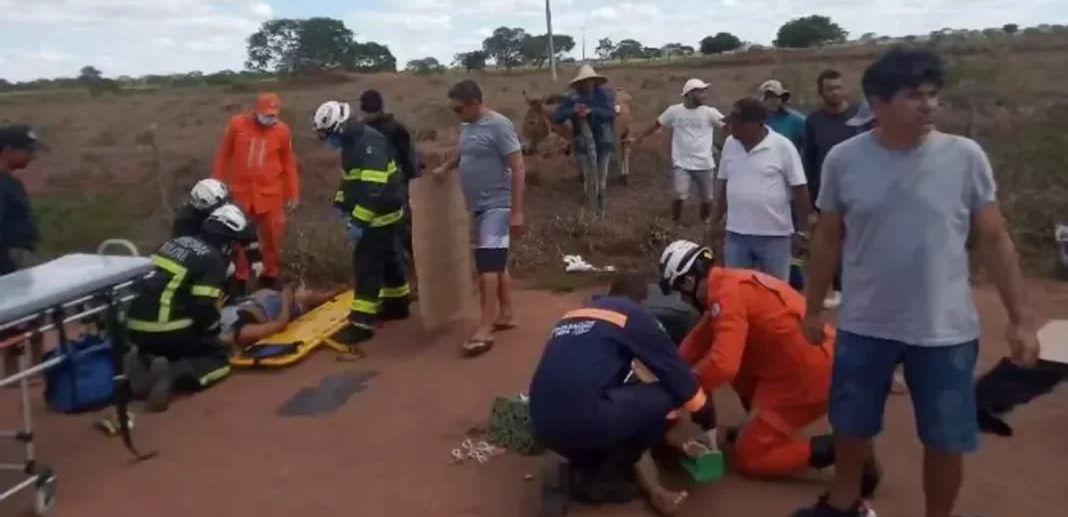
(386, 451)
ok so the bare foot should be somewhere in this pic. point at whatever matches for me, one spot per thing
(666, 502)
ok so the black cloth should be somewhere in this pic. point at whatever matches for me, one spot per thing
(378, 265)
(197, 360)
(1007, 386)
(188, 221)
(677, 316)
(363, 149)
(400, 143)
(183, 290)
(823, 131)
(18, 229)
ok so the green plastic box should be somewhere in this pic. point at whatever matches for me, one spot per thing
(706, 467)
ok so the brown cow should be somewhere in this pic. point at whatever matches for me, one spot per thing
(538, 124)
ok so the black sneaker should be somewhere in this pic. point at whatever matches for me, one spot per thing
(159, 394)
(133, 366)
(822, 509)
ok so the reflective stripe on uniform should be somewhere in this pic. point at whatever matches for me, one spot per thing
(178, 273)
(206, 291)
(375, 220)
(157, 326)
(339, 197)
(613, 317)
(395, 292)
(365, 306)
(214, 376)
(371, 175)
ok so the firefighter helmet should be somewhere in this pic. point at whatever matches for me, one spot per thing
(681, 259)
(230, 223)
(329, 117)
(208, 194)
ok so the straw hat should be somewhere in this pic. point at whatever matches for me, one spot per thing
(587, 72)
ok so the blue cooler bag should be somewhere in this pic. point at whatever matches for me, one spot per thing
(84, 380)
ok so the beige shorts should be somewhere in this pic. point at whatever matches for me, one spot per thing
(704, 179)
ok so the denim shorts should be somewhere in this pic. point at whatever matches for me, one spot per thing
(940, 381)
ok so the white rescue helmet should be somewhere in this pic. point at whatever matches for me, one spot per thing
(681, 259)
(329, 117)
(208, 194)
(229, 222)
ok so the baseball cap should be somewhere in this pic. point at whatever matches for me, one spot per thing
(863, 117)
(268, 104)
(772, 86)
(20, 136)
(694, 84)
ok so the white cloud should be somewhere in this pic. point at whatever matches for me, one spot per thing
(125, 37)
(56, 37)
(261, 10)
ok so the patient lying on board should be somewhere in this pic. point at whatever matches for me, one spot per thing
(267, 311)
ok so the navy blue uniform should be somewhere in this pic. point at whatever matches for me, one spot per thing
(17, 226)
(580, 404)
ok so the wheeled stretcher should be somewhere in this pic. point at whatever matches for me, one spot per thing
(48, 298)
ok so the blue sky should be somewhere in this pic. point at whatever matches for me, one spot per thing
(49, 38)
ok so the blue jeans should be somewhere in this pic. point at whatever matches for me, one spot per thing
(769, 254)
(939, 379)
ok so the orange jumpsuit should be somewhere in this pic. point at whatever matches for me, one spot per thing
(258, 166)
(751, 337)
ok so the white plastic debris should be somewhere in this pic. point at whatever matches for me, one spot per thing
(576, 264)
(1061, 235)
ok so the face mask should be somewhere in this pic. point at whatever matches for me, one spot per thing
(334, 141)
(266, 120)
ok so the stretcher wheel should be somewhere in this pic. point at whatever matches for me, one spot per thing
(45, 499)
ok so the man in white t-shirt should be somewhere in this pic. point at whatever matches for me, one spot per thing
(761, 176)
(693, 128)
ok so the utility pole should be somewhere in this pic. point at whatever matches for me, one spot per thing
(549, 29)
(583, 43)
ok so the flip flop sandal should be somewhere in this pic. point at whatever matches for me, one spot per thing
(476, 347)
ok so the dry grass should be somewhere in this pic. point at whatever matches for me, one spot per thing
(101, 178)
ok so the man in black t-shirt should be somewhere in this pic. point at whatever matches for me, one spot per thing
(18, 230)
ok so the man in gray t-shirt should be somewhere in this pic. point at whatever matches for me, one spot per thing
(492, 174)
(898, 204)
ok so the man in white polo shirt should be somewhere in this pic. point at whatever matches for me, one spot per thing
(761, 176)
(693, 128)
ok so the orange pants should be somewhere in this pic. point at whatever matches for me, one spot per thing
(272, 230)
(771, 444)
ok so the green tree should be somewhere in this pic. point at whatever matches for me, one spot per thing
(426, 65)
(605, 48)
(474, 60)
(651, 53)
(1011, 28)
(628, 49)
(275, 46)
(373, 57)
(291, 45)
(505, 46)
(810, 31)
(89, 75)
(720, 43)
(534, 50)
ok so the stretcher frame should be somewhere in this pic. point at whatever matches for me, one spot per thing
(110, 298)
